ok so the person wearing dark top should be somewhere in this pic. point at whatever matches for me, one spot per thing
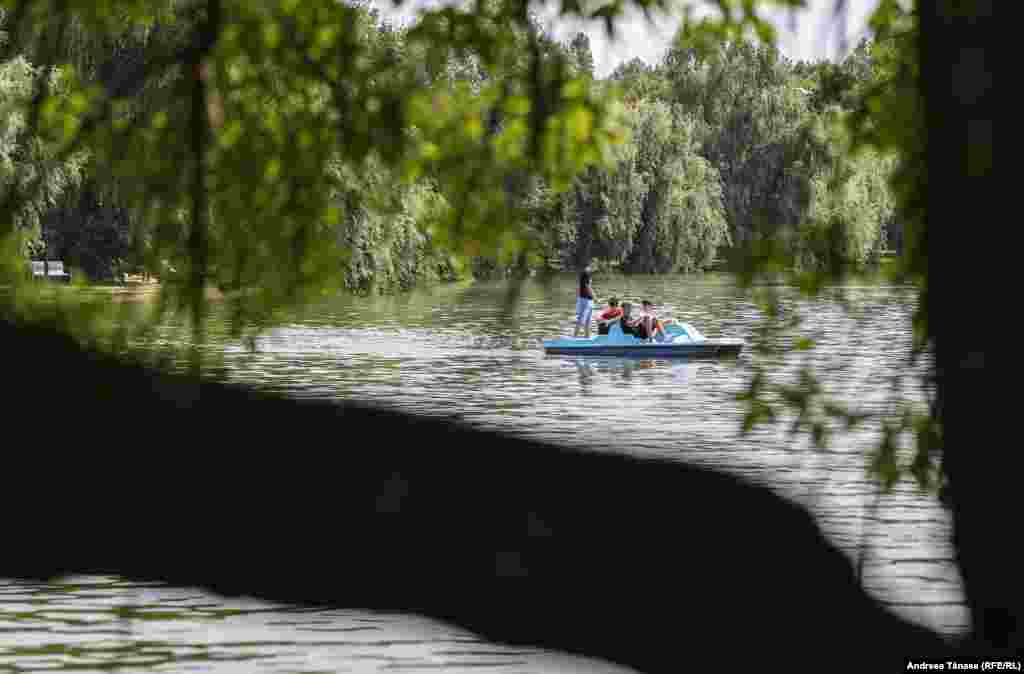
(649, 325)
(605, 317)
(640, 329)
(584, 304)
(627, 322)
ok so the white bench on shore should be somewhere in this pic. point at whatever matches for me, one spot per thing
(50, 269)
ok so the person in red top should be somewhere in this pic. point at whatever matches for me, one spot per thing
(605, 317)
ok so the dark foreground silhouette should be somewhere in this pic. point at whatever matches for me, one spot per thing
(646, 563)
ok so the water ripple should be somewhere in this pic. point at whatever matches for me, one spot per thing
(452, 352)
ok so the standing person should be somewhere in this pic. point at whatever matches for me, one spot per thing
(584, 303)
(605, 317)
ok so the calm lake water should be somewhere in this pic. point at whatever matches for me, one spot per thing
(456, 351)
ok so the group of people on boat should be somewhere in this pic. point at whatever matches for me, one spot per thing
(646, 325)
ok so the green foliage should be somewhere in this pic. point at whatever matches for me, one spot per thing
(581, 55)
(390, 246)
(90, 236)
(316, 91)
(658, 208)
(850, 201)
(307, 114)
(858, 159)
(28, 158)
(281, 150)
(682, 219)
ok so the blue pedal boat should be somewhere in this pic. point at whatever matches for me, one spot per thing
(682, 340)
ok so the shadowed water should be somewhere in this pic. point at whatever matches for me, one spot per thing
(455, 351)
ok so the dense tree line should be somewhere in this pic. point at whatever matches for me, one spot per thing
(723, 147)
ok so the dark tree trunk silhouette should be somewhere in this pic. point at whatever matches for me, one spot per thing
(959, 191)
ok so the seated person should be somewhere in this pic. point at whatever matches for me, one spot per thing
(649, 325)
(628, 324)
(605, 317)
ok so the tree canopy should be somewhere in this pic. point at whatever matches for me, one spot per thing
(280, 151)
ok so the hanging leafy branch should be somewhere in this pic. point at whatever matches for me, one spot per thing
(279, 151)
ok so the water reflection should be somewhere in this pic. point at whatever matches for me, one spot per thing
(623, 368)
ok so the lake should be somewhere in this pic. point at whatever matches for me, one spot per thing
(466, 351)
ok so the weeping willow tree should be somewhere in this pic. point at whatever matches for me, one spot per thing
(263, 122)
(240, 133)
(26, 162)
(657, 209)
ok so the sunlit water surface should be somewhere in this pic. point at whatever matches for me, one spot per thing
(458, 351)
